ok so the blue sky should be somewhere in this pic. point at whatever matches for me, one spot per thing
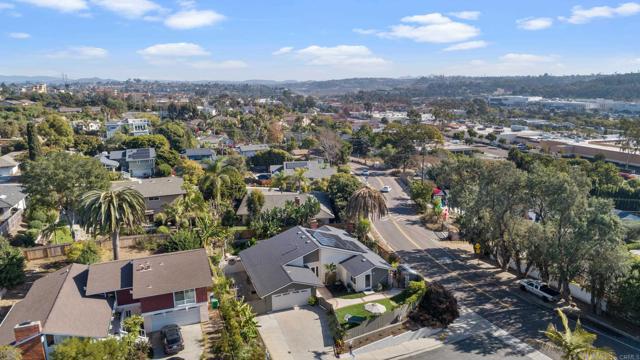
(312, 39)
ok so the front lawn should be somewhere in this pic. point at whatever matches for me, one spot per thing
(353, 296)
(358, 310)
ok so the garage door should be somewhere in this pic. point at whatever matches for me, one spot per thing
(178, 317)
(290, 299)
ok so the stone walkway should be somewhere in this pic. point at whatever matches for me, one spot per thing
(338, 303)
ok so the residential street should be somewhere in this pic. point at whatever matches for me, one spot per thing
(476, 286)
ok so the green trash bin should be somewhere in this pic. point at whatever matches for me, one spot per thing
(214, 303)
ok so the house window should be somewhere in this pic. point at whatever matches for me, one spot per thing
(353, 280)
(154, 198)
(184, 297)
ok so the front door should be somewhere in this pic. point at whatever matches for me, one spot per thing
(367, 281)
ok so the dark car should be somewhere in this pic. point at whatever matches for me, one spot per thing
(172, 339)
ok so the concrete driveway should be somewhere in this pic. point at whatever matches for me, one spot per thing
(192, 336)
(301, 333)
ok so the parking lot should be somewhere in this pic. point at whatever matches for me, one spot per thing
(297, 334)
(192, 336)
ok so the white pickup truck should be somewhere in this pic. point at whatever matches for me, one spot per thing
(539, 289)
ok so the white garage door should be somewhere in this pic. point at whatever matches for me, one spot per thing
(290, 299)
(178, 317)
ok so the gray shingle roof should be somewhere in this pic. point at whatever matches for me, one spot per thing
(264, 262)
(357, 264)
(253, 147)
(59, 303)
(316, 169)
(109, 276)
(274, 198)
(199, 152)
(165, 186)
(167, 273)
(11, 195)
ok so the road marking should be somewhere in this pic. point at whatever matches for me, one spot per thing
(455, 273)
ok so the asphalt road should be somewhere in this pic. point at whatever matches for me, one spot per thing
(477, 288)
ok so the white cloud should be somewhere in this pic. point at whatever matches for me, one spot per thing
(431, 28)
(190, 19)
(466, 15)
(180, 50)
(227, 64)
(525, 58)
(79, 52)
(19, 35)
(6, 6)
(283, 50)
(341, 55)
(60, 5)
(365, 31)
(469, 45)
(580, 15)
(535, 23)
(129, 8)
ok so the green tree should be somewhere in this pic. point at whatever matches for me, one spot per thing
(183, 239)
(111, 211)
(190, 170)
(298, 177)
(216, 176)
(180, 138)
(88, 144)
(12, 265)
(84, 252)
(57, 131)
(367, 203)
(341, 186)
(363, 226)
(58, 180)
(10, 353)
(576, 344)
(146, 141)
(33, 142)
(266, 158)
(255, 202)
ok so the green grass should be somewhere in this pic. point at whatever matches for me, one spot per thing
(238, 228)
(61, 235)
(358, 310)
(353, 296)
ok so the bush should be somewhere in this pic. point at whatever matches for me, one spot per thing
(312, 301)
(10, 353)
(163, 230)
(38, 215)
(182, 240)
(164, 170)
(11, 265)
(84, 252)
(438, 307)
(26, 238)
(36, 224)
(160, 219)
(634, 246)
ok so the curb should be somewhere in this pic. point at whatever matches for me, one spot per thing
(604, 324)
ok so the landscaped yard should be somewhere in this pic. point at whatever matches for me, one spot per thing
(353, 296)
(359, 310)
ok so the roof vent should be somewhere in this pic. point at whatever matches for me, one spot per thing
(364, 260)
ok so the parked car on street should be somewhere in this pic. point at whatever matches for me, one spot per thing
(365, 172)
(172, 339)
(385, 189)
(539, 289)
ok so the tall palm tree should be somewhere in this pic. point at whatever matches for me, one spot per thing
(216, 176)
(368, 203)
(110, 211)
(298, 178)
(576, 344)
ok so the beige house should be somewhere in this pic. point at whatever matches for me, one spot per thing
(157, 192)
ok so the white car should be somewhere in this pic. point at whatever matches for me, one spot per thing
(385, 189)
(365, 172)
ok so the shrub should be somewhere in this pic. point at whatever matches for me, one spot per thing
(164, 170)
(84, 252)
(163, 230)
(10, 353)
(182, 240)
(26, 238)
(38, 215)
(438, 307)
(11, 265)
(312, 301)
(36, 224)
(160, 219)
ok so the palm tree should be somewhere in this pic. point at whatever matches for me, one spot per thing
(216, 176)
(280, 180)
(110, 211)
(576, 344)
(298, 178)
(366, 202)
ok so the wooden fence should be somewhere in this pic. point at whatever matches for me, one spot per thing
(396, 316)
(51, 251)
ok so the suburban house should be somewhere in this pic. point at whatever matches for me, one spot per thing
(315, 169)
(157, 192)
(251, 149)
(91, 301)
(12, 204)
(216, 141)
(133, 127)
(200, 155)
(285, 270)
(8, 166)
(137, 162)
(274, 198)
(86, 125)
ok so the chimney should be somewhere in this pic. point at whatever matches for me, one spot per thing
(28, 341)
(26, 330)
(296, 200)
